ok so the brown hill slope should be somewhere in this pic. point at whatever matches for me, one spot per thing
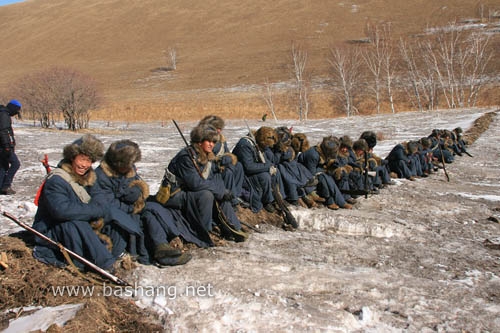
(218, 43)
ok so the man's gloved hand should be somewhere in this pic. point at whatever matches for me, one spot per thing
(228, 196)
(131, 194)
(5, 152)
(273, 170)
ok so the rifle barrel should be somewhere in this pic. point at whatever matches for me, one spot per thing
(84, 261)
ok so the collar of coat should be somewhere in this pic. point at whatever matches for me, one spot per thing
(88, 179)
(202, 157)
(108, 171)
(322, 157)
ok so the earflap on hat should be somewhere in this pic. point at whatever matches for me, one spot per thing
(300, 143)
(266, 137)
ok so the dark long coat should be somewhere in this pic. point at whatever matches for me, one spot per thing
(200, 194)
(326, 187)
(64, 217)
(125, 196)
(258, 182)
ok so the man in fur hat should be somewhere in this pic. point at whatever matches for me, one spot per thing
(257, 160)
(232, 170)
(316, 159)
(340, 169)
(202, 194)
(401, 162)
(120, 187)
(295, 177)
(66, 210)
(370, 138)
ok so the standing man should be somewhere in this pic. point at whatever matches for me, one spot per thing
(9, 163)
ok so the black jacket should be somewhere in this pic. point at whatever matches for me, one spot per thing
(6, 133)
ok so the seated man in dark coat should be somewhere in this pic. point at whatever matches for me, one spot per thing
(294, 176)
(203, 197)
(401, 162)
(258, 168)
(119, 186)
(231, 170)
(66, 212)
(316, 159)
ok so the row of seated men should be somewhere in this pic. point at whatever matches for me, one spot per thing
(104, 213)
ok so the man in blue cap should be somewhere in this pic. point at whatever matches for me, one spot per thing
(9, 163)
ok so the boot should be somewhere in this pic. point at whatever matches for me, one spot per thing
(333, 206)
(7, 191)
(347, 206)
(165, 250)
(351, 201)
(313, 195)
(269, 207)
(309, 201)
(174, 261)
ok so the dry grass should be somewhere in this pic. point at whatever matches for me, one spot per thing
(219, 44)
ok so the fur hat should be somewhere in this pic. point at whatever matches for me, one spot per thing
(370, 137)
(360, 145)
(122, 154)
(425, 142)
(266, 137)
(300, 143)
(330, 146)
(345, 141)
(213, 120)
(284, 135)
(87, 145)
(412, 147)
(204, 132)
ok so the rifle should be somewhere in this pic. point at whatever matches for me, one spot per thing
(238, 235)
(365, 153)
(442, 160)
(84, 261)
(288, 218)
(467, 153)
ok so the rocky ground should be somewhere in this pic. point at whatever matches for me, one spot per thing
(419, 256)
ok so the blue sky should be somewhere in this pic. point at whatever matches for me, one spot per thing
(8, 2)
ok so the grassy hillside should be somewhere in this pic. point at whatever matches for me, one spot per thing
(219, 44)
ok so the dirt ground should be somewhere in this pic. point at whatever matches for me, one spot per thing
(461, 242)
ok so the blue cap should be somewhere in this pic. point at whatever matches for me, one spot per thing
(15, 102)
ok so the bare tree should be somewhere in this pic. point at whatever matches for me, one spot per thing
(374, 58)
(459, 60)
(346, 76)
(389, 65)
(481, 56)
(413, 75)
(268, 97)
(171, 58)
(59, 92)
(299, 61)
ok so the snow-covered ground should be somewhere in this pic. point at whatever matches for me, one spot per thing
(409, 259)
